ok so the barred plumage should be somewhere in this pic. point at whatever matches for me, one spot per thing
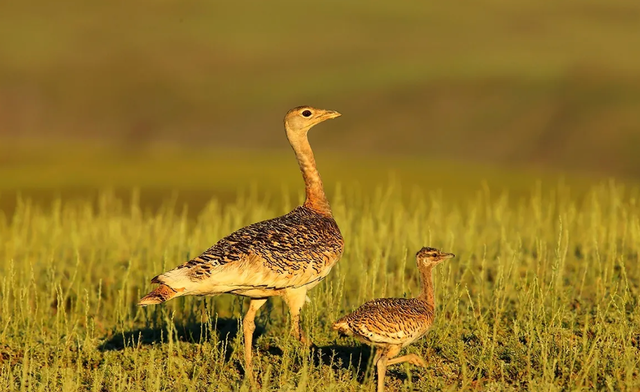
(392, 323)
(294, 250)
(388, 321)
(284, 256)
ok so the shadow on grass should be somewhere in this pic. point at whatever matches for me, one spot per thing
(345, 357)
(357, 359)
(226, 329)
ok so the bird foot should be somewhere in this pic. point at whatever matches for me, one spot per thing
(302, 338)
(416, 360)
(305, 340)
(248, 371)
(250, 375)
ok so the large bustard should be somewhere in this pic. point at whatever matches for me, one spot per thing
(393, 323)
(284, 256)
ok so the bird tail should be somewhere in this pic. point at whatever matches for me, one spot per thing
(161, 294)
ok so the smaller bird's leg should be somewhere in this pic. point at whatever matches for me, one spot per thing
(379, 352)
(411, 358)
(382, 364)
(295, 298)
(248, 327)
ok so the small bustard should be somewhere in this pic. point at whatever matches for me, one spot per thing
(285, 256)
(393, 323)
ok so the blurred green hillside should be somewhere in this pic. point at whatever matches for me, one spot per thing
(192, 178)
(530, 83)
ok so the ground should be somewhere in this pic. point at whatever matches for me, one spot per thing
(542, 294)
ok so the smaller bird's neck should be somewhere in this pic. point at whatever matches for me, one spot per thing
(426, 280)
(315, 196)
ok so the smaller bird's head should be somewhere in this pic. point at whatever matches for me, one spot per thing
(300, 119)
(432, 256)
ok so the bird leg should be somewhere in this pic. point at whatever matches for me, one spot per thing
(295, 299)
(411, 358)
(248, 326)
(379, 352)
(382, 364)
(382, 369)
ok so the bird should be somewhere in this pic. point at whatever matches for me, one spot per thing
(284, 256)
(389, 324)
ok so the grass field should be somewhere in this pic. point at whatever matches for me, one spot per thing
(543, 293)
(133, 135)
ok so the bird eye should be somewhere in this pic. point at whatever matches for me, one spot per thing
(306, 113)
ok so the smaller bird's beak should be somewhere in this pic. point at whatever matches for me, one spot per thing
(447, 255)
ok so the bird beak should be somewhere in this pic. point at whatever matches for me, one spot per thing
(445, 256)
(329, 114)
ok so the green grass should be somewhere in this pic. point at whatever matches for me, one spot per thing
(543, 294)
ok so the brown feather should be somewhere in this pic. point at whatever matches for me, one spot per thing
(160, 294)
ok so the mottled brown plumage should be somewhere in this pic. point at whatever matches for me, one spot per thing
(388, 321)
(392, 323)
(295, 250)
(284, 256)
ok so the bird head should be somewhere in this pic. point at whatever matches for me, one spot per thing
(432, 256)
(300, 119)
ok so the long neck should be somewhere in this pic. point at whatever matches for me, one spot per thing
(315, 197)
(427, 286)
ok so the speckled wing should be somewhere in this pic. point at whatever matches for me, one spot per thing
(388, 321)
(290, 251)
